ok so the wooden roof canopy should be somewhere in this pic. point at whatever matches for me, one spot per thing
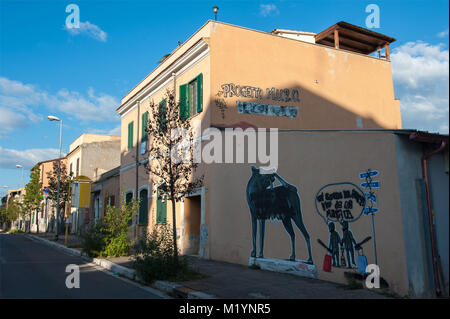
(343, 35)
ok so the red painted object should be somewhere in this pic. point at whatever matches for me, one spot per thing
(327, 263)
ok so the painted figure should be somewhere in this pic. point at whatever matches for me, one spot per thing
(334, 243)
(280, 202)
(348, 241)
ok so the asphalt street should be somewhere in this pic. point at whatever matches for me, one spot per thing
(29, 269)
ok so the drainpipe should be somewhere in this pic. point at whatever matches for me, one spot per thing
(138, 143)
(425, 157)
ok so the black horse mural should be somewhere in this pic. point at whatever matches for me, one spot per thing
(281, 202)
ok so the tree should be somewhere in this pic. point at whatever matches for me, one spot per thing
(171, 147)
(33, 193)
(14, 210)
(64, 188)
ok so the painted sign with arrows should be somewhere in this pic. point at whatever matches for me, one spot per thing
(369, 173)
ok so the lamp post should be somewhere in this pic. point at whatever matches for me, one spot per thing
(54, 118)
(20, 166)
(21, 191)
(215, 9)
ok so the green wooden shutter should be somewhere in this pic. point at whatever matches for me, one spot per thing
(143, 207)
(199, 92)
(130, 135)
(161, 209)
(144, 126)
(184, 97)
(162, 110)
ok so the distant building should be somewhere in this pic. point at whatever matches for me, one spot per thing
(89, 157)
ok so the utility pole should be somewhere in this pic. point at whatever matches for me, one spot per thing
(54, 118)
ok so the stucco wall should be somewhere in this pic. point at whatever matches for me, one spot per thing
(335, 86)
(310, 161)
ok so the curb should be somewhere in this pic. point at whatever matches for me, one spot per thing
(172, 288)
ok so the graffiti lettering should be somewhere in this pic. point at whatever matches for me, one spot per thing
(282, 95)
(339, 202)
(266, 109)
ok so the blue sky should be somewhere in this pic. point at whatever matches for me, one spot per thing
(81, 77)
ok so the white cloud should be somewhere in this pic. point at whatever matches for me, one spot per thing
(90, 30)
(115, 131)
(19, 104)
(443, 34)
(27, 158)
(421, 78)
(268, 9)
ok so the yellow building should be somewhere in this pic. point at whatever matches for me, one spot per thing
(333, 104)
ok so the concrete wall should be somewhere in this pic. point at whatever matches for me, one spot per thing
(89, 138)
(99, 157)
(415, 216)
(440, 205)
(415, 223)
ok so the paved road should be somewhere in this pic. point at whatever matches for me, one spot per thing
(29, 269)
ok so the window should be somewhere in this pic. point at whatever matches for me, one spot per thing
(191, 97)
(161, 207)
(128, 199)
(130, 135)
(71, 170)
(144, 133)
(78, 166)
(162, 109)
(143, 207)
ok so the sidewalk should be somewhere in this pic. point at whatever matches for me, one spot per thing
(228, 280)
(72, 240)
(231, 281)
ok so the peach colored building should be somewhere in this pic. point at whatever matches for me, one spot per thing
(334, 106)
(90, 156)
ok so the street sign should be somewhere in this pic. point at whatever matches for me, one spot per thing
(375, 184)
(370, 211)
(46, 191)
(364, 175)
(371, 197)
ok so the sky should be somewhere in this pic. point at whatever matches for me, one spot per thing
(80, 75)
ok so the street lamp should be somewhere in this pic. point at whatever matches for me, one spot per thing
(20, 166)
(215, 9)
(54, 118)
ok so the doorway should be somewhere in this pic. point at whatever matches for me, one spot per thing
(192, 219)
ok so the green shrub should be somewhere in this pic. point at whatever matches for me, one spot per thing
(117, 246)
(94, 239)
(154, 259)
(108, 237)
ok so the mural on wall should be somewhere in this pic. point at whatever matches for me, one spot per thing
(221, 104)
(266, 109)
(341, 203)
(269, 202)
(369, 185)
(243, 107)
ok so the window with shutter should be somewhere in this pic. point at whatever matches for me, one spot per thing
(162, 109)
(183, 102)
(143, 207)
(161, 208)
(199, 93)
(191, 97)
(130, 135)
(144, 133)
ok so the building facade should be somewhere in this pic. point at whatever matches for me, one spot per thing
(90, 156)
(226, 76)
